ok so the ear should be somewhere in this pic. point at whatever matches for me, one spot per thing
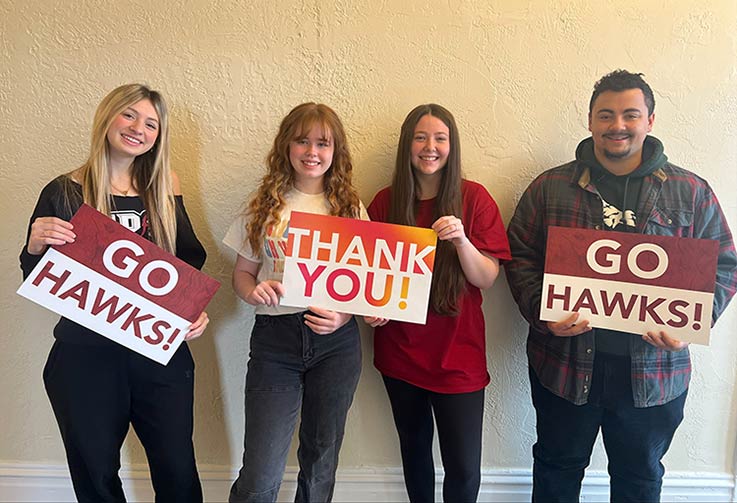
(589, 121)
(650, 122)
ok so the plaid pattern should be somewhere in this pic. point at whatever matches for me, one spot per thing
(673, 202)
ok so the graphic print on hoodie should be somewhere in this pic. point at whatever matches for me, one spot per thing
(620, 196)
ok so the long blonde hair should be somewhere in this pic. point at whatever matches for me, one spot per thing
(265, 207)
(151, 173)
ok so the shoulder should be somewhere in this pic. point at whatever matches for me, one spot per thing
(175, 185)
(382, 196)
(474, 189)
(380, 204)
(679, 174)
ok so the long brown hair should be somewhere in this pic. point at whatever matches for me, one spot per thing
(151, 173)
(448, 281)
(266, 205)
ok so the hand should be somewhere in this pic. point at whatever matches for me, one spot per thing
(662, 341)
(46, 231)
(569, 327)
(375, 321)
(450, 228)
(267, 293)
(325, 321)
(196, 328)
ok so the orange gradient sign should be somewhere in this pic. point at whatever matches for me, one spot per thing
(359, 267)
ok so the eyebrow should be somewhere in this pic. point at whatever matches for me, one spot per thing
(626, 111)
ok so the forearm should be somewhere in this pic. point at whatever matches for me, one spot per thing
(244, 283)
(481, 271)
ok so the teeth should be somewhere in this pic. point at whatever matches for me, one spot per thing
(130, 138)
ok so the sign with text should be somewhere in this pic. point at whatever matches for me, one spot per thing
(631, 282)
(121, 286)
(359, 267)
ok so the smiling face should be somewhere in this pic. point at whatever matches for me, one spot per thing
(430, 146)
(619, 123)
(134, 131)
(311, 156)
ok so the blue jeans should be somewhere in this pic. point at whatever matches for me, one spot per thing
(635, 439)
(292, 370)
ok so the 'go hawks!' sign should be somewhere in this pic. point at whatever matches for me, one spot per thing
(631, 282)
(121, 286)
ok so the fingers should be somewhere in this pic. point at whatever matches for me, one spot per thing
(198, 327)
(374, 321)
(267, 293)
(569, 327)
(48, 231)
(448, 228)
(324, 321)
(663, 341)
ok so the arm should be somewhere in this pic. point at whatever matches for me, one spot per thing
(175, 185)
(48, 226)
(709, 223)
(527, 236)
(481, 271)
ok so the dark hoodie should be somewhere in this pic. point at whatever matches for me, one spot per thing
(620, 196)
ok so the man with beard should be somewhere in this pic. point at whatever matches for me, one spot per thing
(631, 386)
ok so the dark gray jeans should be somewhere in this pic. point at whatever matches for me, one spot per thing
(292, 370)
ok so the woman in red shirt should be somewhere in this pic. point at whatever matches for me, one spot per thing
(439, 369)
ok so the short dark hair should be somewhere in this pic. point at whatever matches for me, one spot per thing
(621, 80)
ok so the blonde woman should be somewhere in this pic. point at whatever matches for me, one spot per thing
(96, 387)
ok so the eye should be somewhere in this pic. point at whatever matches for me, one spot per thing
(128, 115)
(419, 137)
(324, 144)
(301, 141)
(441, 139)
(152, 126)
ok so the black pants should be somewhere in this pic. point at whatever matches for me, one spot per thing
(459, 420)
(96, 392)
(635, 439)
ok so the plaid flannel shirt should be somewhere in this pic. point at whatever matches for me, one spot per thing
(673, 202)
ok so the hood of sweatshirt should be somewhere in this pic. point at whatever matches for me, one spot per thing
(653, 158)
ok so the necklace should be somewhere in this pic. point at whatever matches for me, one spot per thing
(124, 193)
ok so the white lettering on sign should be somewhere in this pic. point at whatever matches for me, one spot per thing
(128, 250)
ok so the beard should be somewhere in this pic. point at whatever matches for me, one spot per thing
(617, 155)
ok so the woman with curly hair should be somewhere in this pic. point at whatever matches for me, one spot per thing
(98, 388)
(302, 363)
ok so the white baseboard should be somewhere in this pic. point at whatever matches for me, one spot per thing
(43, 483)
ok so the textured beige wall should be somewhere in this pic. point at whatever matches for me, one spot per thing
(517, 74)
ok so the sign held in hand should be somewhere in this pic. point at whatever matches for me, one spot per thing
(121, 286)
(359, 267)
(631, 282)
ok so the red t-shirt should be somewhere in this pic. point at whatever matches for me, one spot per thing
(448, 353)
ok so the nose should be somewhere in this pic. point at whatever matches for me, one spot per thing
(430, 144)
(311, 149)
(137, 125)
(618, 122)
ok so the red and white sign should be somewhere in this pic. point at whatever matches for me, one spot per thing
(121, 286)
(631, 282)
(359, 267)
